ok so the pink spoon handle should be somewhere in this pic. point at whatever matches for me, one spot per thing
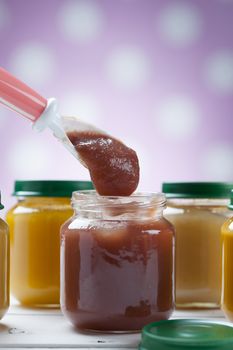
(19, 97)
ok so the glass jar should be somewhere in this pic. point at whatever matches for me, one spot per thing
(116, 262)
(227, 270)
(197, 210)
(34, 222)
(4, 266)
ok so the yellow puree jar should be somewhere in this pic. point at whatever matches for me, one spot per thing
(34, 222)
(197, 210)
(227, 280)
(4, 266)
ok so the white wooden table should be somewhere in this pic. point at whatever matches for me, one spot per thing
(23, 328)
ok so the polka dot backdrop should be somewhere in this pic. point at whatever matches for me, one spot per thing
(156, 74)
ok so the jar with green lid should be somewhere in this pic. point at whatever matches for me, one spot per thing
(4, 266)
(34, 222)
(197, 210)
(227, 269)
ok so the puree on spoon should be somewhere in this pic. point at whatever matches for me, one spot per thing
(113, 167)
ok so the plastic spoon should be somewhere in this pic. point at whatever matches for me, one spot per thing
(20, 98)
(113, 167)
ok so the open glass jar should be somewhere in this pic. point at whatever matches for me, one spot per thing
(34, 222)
(4, 266)
(197, 211)
(116, 262)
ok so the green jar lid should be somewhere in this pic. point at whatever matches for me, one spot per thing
(1, 206)
(186, 334)
(231, 203)
(49, 188)
(197, 189)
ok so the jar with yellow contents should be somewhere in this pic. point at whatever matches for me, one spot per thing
(227, 268)
(4, 266)
(197, 210)
(34, 222)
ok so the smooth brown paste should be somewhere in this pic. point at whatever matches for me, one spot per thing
(117, 277)
(113, 167)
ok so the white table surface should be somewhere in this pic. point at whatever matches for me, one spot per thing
(23, 328)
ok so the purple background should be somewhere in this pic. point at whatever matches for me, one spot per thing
(158, 74)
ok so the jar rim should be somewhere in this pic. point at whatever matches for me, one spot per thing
(90, 199)
(231, 202)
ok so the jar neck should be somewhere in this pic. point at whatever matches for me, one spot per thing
(139, 206)
(187, 203)
(44, 199)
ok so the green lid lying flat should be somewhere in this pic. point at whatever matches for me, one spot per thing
(1, 206)
(197, 189)
(186, 334)
(50, 188)
(231, 203)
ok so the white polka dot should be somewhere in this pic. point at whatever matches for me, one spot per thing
(177, 117)
(33, 63)
(80, 20)
(4, 14)
(217, 162)
(128, 68)
(29, 157)
(219, 71)
(179, 24)
(82, 105)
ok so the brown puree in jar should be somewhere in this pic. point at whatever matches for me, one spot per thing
(113, 166)
(117, 277)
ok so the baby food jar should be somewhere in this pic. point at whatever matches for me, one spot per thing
(197, 211)
(34, 222)
(227, 271)
(4, 266)
(116, 262)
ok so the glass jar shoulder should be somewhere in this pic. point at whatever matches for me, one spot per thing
(39, 204)
(197, 207)
(152, 226)
(66, 224)
(227, 227)
(3, 227)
